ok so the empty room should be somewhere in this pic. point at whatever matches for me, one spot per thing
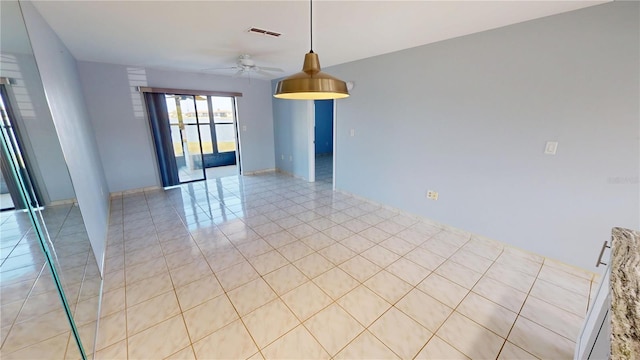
(320, 179)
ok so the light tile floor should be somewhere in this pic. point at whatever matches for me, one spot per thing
(6, 202)
(185, 174)
(324, 168)
(273, 267)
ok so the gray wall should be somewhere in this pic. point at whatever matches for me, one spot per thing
(119, 118)
(291, 122)
(469, 118)
(64, 94)
(122, 132)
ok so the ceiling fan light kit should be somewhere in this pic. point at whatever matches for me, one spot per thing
(311, 83)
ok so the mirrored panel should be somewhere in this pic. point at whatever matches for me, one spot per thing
(49, 280)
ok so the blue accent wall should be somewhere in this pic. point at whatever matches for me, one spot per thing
(324, 127)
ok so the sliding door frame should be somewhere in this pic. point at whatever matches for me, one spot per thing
(194, 93)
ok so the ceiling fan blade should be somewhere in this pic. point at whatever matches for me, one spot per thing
(222, 68)
(266, 68)
(264, 73)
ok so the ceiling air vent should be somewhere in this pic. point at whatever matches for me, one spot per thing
(255, 30)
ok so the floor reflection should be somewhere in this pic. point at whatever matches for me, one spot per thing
(187, 174)
(324, 168)
(34, 323)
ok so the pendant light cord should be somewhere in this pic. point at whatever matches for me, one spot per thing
(311, 24)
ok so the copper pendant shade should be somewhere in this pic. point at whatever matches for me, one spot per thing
(311, 83)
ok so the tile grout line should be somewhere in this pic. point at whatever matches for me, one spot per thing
(454, 309)
(124, 283)
(519, 311)
(334, 266)
(278, 296)
(528, 294)
(226, 293)
(124, 266)
(413, 287)
(191, 341)
(164, 256)
(471, 290)
(24, 237)
(366, 328)
(308, 279)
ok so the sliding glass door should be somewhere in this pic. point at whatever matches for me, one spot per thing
(192, 133)
(224, 131)
(185, 136)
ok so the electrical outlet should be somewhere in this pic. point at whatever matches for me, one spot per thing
(433, 195)
(244, 127)
(352, 132)
(290, 157)
(281, 156)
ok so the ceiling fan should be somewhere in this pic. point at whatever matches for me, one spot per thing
(246, 65)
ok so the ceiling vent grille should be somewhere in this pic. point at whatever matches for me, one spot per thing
(255, 30)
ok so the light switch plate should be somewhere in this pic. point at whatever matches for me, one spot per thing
(551, 147)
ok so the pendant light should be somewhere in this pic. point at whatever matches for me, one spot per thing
(311, 83)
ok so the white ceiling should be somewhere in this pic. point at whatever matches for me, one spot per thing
(195, 35)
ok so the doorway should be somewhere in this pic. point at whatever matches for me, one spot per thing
(202, 138)
(323, 140)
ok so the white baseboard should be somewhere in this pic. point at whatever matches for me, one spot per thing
(63, 202)
(448, 227)
(290, 174)
(259, 172)
(133, 191)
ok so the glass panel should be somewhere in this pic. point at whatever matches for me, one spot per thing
(226, 137)
(223, 109)
(171, 109)
(197, 144)
(203, 109)
(176, 139)
(49, 279)
(205, 137)
(185, 137)
(187, 106)
(190, 167)
(29, 261)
